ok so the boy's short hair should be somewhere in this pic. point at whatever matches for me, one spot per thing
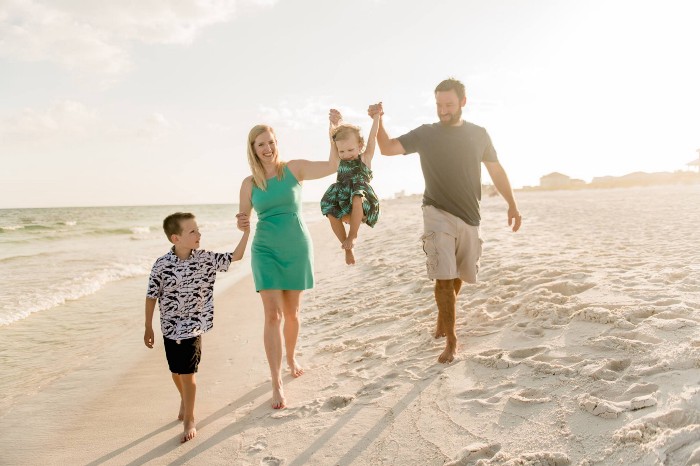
(171, 224)
(452, 84)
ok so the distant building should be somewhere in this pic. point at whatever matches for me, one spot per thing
(694, 164)
(555, 180)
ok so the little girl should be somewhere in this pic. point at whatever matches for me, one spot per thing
(351, 199)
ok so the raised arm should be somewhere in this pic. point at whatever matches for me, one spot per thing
(387, 145)
(502, 184)
(334, 120)
(371, 141)
(240, 249)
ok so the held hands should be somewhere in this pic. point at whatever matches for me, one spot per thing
(242, 222)
(514, 218)
(375, 110)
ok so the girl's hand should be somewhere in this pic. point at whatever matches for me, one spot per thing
(243, 221)
(375, 109)
(334, 117)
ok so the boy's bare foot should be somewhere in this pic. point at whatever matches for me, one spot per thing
(278, 401)
(349, 257)
(181, 415)
(190, 431)
(294, 368)
(449, 354)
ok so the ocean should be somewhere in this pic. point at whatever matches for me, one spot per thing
(73, 281)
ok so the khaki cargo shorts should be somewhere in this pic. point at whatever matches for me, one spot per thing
(452, 247)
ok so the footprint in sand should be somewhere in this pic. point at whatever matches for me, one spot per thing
(488, 396)
(259, 445)
(503, 359)
(474, 452)
(271, 461)
(611, 370)
(608, 405)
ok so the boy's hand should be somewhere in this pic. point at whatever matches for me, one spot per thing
(334, 117)
(243, 221)
(148, 337)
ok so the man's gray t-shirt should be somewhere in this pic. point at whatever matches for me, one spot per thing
(451, 157)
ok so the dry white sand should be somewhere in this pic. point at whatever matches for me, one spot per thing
(580, 345)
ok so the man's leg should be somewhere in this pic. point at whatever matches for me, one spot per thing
(439, 331)
(178, 384)
(446, 300)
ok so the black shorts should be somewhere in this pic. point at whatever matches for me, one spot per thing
(183, 355)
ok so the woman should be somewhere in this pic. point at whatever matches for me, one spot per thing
(281, 253)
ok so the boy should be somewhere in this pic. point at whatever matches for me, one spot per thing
(183, 282)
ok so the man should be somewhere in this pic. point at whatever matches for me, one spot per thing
(451, 153)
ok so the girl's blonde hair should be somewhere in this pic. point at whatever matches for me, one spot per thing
(344, 131)
(256, 167)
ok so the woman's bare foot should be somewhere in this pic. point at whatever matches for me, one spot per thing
(278, 401)
(190, 431)
(181, 415)
(449, 354)
(294, 368)
(349, 257)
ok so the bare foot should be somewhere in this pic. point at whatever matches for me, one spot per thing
(190, 431)
(181, 415)
(349, 243)
(349, 257)
(294, 368)
(278, 401)
(449, 354)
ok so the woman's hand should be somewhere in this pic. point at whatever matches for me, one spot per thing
(243, 221)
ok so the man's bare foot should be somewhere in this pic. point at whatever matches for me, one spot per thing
(449, 354)
(181, 415)
(190, 431)
(349, 257)
(294, 368)
(278, 401)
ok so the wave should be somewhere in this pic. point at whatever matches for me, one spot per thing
(76, 288)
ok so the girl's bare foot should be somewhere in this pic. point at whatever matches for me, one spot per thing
(349, 257)
(181, 416)
(190, 431)
(294, 368)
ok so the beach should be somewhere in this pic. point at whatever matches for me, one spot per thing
(580, 345)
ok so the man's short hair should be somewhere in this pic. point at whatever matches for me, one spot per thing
(171, 224)
(452, 84)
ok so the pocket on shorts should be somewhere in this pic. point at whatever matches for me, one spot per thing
(431, 252)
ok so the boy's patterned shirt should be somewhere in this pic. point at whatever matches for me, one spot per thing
(185, 291)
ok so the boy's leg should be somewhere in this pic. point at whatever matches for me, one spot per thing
(178, 384)
(189, 392)
(272, 336)
(292, 302)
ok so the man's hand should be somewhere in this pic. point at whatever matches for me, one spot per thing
(375, 109)
(514, 218)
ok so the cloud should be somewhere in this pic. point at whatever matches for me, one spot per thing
(94, 37)
(295, 113)
(64, 119)
(155, 127)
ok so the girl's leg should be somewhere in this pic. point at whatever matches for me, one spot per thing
(292, 303)
(355, 219)
(272, 335)
(338, 228)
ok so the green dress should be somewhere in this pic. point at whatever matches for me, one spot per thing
(353, 180)
(282, 252)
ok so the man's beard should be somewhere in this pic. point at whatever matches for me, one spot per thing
(454, 118)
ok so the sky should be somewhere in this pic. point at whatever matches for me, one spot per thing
(150, 102)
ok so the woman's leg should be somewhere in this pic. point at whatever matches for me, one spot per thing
(292, 303)
(273, 305)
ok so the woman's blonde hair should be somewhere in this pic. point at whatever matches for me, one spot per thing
(256, 167)
(344, 131)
